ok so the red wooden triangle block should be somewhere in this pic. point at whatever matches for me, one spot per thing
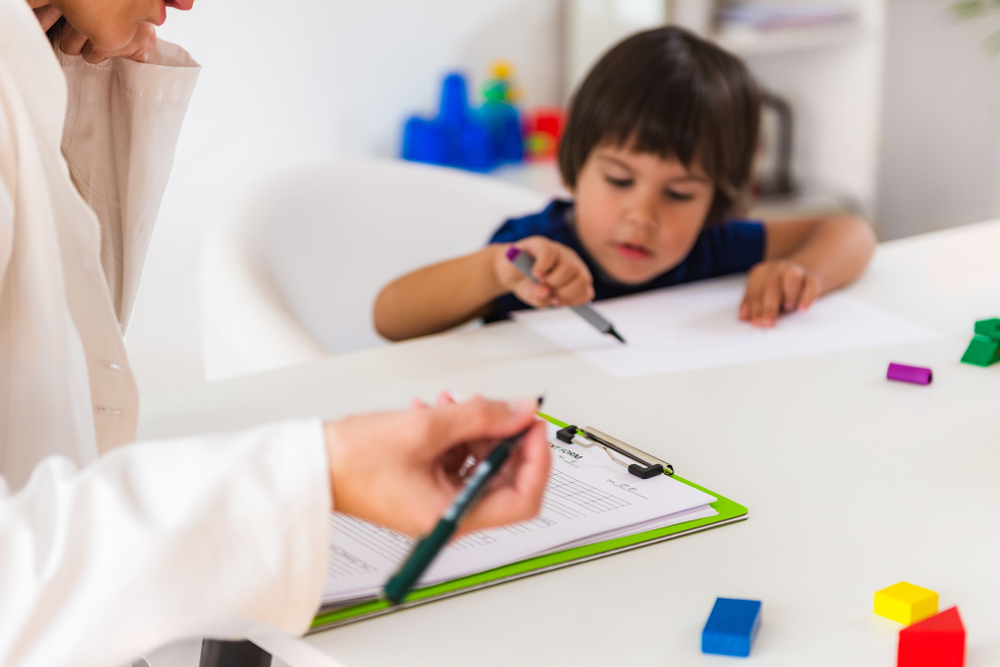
(938, 641)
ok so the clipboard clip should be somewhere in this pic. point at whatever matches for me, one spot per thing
(643, 465)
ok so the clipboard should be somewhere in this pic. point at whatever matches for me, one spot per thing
(728, 512)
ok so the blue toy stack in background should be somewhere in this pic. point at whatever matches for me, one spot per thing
(467, 138)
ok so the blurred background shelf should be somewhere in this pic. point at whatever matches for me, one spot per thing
(748, 28)
(748, 42)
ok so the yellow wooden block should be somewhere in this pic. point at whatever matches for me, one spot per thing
(906, 603)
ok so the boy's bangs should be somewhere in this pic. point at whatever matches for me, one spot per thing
(664, 123)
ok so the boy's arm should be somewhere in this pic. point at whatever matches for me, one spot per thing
(444, 295)
(439, 296)
(804, 259)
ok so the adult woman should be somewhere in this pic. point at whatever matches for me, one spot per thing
(155, 542)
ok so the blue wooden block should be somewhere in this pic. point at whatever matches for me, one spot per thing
(731, 628)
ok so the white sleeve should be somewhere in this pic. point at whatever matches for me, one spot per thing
(123, 120)
(160, 541)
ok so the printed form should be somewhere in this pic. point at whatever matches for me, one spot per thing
(589, 499)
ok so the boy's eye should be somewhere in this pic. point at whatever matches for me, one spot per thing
(678, 196)
(619, 182)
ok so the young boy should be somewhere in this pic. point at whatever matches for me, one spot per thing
(657, 152)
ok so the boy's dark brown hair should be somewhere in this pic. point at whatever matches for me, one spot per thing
(667, 91)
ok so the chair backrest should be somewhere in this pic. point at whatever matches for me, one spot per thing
(293, 266)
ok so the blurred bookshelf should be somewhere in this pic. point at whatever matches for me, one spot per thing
(751, 28)
(746, 43)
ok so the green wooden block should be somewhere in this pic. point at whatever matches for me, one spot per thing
(982, 351)
(990, 328)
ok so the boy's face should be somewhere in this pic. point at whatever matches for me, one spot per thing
(638, 214)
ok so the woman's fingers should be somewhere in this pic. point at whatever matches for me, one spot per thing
(474, 421)
(445, 398)
(71, 40)
(517, 493)
(142, 49)
(404, 469)
(47, 16)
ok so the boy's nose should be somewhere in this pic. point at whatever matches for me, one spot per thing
(642, 213)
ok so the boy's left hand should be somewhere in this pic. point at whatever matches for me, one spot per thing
(777, 286)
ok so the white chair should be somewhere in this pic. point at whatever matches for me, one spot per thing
(292, 266)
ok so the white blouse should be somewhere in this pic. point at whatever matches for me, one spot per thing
(153, 542)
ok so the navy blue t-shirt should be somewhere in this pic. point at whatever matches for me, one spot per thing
(731, 247)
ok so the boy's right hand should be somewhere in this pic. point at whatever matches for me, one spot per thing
(563, 278)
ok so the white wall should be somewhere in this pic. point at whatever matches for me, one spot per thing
(286, 83)
(594, 26)
(941, 128)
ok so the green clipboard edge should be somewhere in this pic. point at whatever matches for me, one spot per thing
(728, 512)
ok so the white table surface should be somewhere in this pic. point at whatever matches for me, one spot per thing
(853, 483)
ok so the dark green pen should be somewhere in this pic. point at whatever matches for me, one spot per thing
(427, 549)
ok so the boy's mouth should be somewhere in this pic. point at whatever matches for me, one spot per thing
(633, 251)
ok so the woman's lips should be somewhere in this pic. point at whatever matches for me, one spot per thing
(183, 5)
(633, 252)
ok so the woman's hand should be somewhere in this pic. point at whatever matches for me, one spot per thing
(72, 42)
(777, 286)
(47, 16)
(404, 469)
(142, 48)
(564, 279)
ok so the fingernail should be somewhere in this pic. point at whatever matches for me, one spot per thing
(523, 406)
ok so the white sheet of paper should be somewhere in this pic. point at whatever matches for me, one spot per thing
(697, 326)
(589, 498)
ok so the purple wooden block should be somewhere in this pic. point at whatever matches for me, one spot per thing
(914, 374)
